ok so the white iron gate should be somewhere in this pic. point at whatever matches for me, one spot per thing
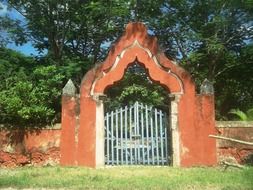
(136, 135)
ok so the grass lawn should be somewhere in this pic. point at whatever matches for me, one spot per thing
(127, 178)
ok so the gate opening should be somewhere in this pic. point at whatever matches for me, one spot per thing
(137, 130)
(191, 115)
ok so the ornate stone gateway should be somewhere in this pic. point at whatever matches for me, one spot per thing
(191, 117)
(136, 134)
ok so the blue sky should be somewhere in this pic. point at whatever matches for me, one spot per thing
(27, 48)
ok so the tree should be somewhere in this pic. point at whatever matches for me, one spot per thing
(211, 39)
(10, 30)
(78, 27)
(136, 86)
(29, 93)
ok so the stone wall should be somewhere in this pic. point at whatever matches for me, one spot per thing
(233, 151)
(30, 147)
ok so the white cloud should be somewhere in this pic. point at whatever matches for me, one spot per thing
(3, 9)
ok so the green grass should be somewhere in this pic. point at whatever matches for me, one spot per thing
(127, 178)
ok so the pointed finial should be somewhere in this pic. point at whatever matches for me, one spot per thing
(69, 88)
(206, 87)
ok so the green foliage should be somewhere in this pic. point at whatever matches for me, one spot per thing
(10, 30)
(29, 94)
(221, 35)
(72, 27)
(136, 86)
(243, 116)
(211, 39)
(140, 93)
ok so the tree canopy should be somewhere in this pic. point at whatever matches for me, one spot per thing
(209, 38)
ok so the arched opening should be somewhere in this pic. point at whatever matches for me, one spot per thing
(98, 80)
(191, 115)
(137, 120)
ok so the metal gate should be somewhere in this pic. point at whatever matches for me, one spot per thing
(136, 135)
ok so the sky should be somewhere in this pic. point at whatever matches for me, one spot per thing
(27, 48)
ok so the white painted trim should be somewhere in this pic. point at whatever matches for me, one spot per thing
(180, 83)
(175, 132)
(100, 156)
(153, 57)
(171, 73)
(100, 137)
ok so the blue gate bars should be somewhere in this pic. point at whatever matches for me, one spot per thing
(136, 135)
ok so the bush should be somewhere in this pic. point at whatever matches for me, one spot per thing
(29, 93)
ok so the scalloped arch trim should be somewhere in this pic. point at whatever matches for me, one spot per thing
(127, 56)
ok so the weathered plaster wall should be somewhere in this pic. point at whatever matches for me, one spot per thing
(232, 151)
(196, 122)
(69, 129)
(197, 147)
(23, 147)
(42, 147)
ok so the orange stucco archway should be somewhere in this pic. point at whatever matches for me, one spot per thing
(192, 116)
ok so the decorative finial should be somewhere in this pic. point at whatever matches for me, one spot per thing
(206, 87)
(69, 89)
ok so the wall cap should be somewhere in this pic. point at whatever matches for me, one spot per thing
(234, 124)
(51, 127)
(69, 88)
